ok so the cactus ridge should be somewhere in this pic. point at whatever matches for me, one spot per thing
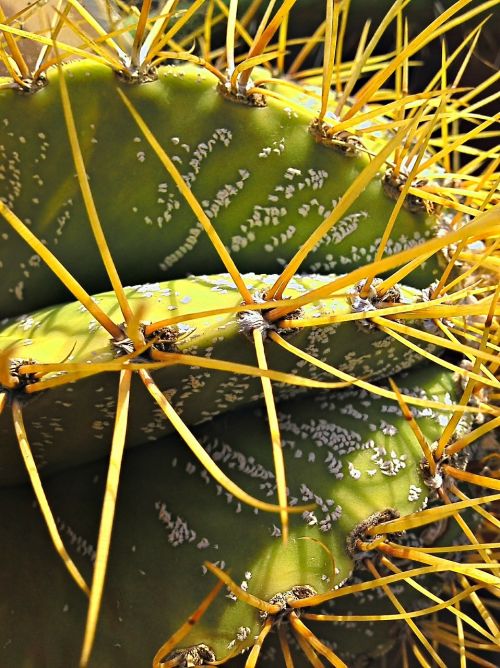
(69, 333)
(258, 175)
(360, 447)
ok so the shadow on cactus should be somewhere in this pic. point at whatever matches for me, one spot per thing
(296, 241)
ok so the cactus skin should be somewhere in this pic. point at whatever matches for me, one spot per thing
(69, 333)
(258, 173)
(373, 642)
(168, 507)
(146, 485)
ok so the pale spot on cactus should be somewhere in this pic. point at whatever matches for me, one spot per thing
(353, 471)
(414, 493)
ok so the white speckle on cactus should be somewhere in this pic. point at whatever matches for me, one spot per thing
(353, 471)
(414, 493)
(310, 518)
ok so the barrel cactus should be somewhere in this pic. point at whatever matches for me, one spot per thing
(270, 288)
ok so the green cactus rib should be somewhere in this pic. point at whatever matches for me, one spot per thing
(257, 172)
(68, 334)
(352, 454)
(375, 640)
(375, 643)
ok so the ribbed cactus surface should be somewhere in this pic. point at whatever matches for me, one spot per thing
(70, 333)
(351, 454)
(234, 239)
(260, 177)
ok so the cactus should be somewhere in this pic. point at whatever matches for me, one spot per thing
(350, 452)
(225, 153)
(358, 229)
(196, 393)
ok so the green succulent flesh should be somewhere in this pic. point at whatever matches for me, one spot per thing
(266, 178)
(352, 454)
(257, 172)
(69, 333)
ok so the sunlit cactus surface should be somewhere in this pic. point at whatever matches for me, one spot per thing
(249, 338)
